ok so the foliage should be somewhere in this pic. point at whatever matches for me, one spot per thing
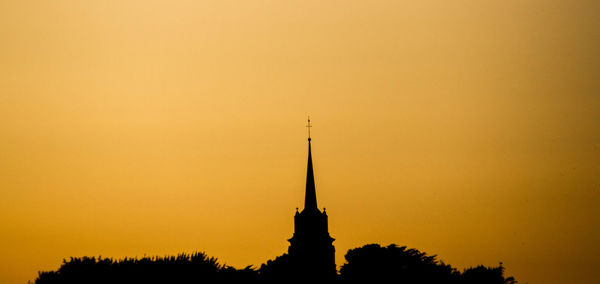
(373, 263)
(368, 264)
(183, 268)
(392, 264)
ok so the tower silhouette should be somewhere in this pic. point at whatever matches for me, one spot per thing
(311, 247)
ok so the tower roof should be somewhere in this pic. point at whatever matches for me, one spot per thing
(310, 199)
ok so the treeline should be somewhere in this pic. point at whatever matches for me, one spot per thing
(368, 264)
(183, 268)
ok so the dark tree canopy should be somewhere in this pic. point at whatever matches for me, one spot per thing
(482, 274)
(368, 264)
(184, 268)
(393, 264)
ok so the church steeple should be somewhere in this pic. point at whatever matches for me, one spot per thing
(310, 199)
(311, 247)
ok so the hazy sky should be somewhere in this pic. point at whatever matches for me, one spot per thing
(466, 129)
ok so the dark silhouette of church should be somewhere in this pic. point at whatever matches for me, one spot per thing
(311, 247)
(310, 259)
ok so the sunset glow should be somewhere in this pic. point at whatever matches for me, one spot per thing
(466, 129)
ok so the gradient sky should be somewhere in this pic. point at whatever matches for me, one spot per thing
(466, 129)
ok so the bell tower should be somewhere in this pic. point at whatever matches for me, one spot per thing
(311, 246)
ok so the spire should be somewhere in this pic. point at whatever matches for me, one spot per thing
(310, 199)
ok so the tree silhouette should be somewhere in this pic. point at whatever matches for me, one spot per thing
(279, 270)
(367, 264)
(392, 264)
(183, 268)
(482, 274)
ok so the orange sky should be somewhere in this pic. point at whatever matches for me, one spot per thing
(467, 129)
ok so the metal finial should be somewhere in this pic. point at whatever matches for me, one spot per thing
(308, 126)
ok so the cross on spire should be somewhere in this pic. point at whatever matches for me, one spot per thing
(308, 126)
